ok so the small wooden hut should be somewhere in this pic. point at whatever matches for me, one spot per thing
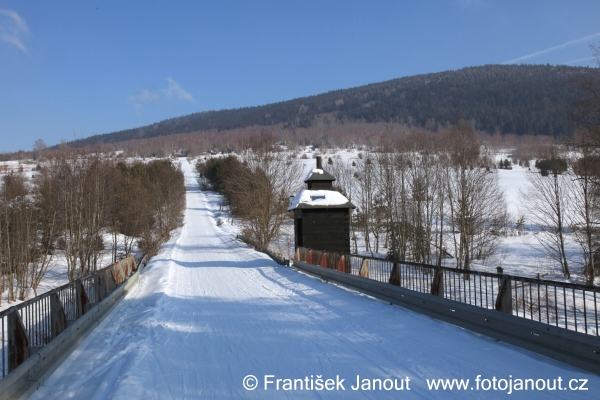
(321, 214)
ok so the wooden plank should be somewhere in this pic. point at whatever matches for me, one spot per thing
(57, 315)
(364, 269)
(395, 275)
(18, 341)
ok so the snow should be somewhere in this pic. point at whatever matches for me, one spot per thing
(318, 198)
(208, 311)
(314, 171)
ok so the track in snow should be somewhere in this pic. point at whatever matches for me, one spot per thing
(208, 311)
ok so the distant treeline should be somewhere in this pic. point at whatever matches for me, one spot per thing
(518, 99)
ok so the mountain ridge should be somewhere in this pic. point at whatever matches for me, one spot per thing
(519, 99)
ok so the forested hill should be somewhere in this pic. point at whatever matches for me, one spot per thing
(521, 99)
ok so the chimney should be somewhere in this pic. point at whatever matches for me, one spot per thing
(319, 162)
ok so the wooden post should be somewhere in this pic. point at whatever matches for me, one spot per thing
(18, 341)
(297, 254)
(309, 257)
(118, 273)
(437, 286)
(364, 268)
(504, 299)
(57, 315)
(323, 262)
(342, 264)
(83, 303)
(395, 275)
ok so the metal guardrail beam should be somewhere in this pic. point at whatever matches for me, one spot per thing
(574, 348)
(34, 367)
(566, 305)
(30, 375)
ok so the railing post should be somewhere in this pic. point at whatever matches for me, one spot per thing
(57, 315)
(83, 303)
(395, 275)
(111, 283)
(18, 341)
(504, 299)
(309, 257)
(437, 286)
(341, 266)
(97, 288)
(348, 265)
(101, 281)
(297, 254)
(118, 273)
(134, 264)
(323, 262)
(364, 268)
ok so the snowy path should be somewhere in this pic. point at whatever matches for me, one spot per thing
(208, 311)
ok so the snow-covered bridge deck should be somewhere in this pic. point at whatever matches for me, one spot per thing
(208, 311)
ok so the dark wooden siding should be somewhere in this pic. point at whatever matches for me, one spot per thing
(320, 185)
(324, 229)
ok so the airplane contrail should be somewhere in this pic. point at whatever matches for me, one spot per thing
(560, 46)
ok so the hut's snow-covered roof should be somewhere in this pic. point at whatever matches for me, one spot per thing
(319, 199)
(318, 174)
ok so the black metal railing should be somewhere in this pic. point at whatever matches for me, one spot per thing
(565, 305)
(32, 324)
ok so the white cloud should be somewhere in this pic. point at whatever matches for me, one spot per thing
(560, 46)
(173, 91)
(12, 28)
(145, 96)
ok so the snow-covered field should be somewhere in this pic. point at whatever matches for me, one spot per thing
(209, 311)
(519, 253)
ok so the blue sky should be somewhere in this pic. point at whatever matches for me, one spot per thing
(72, 69)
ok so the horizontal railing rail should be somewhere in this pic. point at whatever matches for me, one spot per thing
(565, 305)
(32, 324)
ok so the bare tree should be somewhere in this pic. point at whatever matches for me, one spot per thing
(545, 202)
(586, 110)
(477, 206)
(366, 179)
(39, 147)
(259, 188)
(345, 183)
(23, 252)
(77, 188)
(15, 221)
(424, 191)
(584, 195)
(43, 253)
(586, 169)
(389, 183)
